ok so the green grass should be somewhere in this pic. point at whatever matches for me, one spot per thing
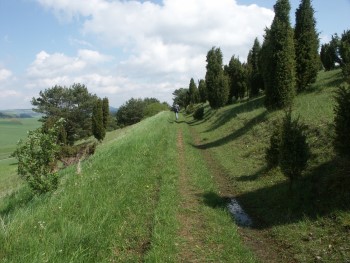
(122, 208)
(318, 204)
(125, 205)
(11, 130)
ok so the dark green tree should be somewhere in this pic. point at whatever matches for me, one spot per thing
(73, 103)
(342, 120)
(202, 89)
(98, 129)
(237, 74)
(344, 52)
(278, 59)
(131, 112)
(215, 79)
(181, 97)
(330, 53)
(306, 45)
(193, 92)
(293, 149)
(255, 80)
(105, 112)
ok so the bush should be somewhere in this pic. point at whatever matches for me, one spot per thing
(37, 158)
(342, 121)
(199, 113)
(272, 153)
(293, 149)
(190, 109)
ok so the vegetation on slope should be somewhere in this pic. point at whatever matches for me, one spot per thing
(312, 220)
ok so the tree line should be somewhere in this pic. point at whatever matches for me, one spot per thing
(283, 66)
(70, 115)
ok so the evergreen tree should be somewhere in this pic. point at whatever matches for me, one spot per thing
(255, 80)
(294, 151)
(306, 45)
(344, 52)
(278, 59)
(330, 53)
(98, 129)
(215, 79)
(73, 103)
(202, 89)
(105, 112)
(238, 78)
(342, 120)
(193, 92)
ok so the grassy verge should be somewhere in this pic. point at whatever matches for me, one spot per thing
(104, 214)
(312, 219)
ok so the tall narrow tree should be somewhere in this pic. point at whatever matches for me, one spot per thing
(306, 45)
(279, 59)
(105, 112)
(215, 79)
(98, 130)
(202, 89)
(238, 79)
(255, 82)
(193, 92)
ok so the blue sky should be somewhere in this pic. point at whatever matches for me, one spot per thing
(124, 49)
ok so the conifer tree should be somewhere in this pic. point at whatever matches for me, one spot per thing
(344, 52)
(237, 76)
(193, 92)
(255, 82)
(105, 112)
(215, 79)
(278, 59)
(202, 89)
(306, 45)
(98, 130)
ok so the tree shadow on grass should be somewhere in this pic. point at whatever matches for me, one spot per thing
(236, 134)
(230, 113)
(312, 197)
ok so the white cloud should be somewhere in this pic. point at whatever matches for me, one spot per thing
(5, 74)
(163, 45)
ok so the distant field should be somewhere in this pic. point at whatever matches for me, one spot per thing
(11, 130)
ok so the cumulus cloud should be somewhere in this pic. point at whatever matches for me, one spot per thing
(5, 74)
(164, 45)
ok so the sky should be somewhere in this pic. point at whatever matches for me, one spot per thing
(124, 49)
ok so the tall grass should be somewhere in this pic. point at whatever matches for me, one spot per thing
(104, 214)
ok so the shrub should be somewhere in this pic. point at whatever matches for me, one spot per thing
(199, 113)
(37, 158)
(342, 121)
(272, 153)
(293, 149)
(190, 109)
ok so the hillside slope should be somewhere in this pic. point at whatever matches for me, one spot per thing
(158, 192)
(140, 198)
(310, 221)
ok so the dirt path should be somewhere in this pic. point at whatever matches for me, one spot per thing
(189, 216)
(259, 241)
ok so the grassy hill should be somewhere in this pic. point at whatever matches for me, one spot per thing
(158, 192)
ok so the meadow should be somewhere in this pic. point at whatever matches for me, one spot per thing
(158, 191)
(11, 131)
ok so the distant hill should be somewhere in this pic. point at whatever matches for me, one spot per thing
(113, 110)
(18, 113)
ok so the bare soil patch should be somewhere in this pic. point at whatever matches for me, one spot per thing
(189, 217)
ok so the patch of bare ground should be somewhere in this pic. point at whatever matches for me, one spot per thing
(260, 241)
(191, 223)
